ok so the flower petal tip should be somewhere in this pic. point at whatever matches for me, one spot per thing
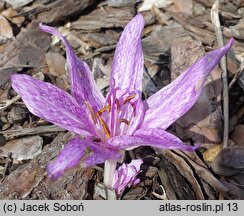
(196, 147)
(139, 17)
(43, 26)
(231, 41)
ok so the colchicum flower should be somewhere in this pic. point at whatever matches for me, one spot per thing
(121, 121)
(125, 175)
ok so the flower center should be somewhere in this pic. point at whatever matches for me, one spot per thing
(116, 116)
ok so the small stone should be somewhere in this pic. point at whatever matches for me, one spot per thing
(4, 119)
(198, 9)
(6, 126)
(39, 76)
(17, 114)
(121, 3)
(18, 3)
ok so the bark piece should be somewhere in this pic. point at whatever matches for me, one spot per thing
(104, 18)
(12, 15)
(56, 11)
(195, 27)
(135, 193)
(19, 132)
(157, 46)
(56, 64)
(238, 30)
(5, 28)
(28, 48)
(18, 3)
(73, 185)
(179, 186)
(23, 149)
(121, 3)
(20, 183)
(29, 180)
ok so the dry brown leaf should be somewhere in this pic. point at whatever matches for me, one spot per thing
(29, 47)
(56, 64)
(10, 13)
(5, 28)
(211, 153)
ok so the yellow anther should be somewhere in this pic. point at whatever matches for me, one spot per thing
(105, 127)
(128, 99)
(117, 103)
(93, 116)
(109, 105)
(134, 109)
(124, 121)
(104, 109)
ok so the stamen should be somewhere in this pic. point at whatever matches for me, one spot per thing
(134, 108)
(109, 105)
(117, 103)
(93, 116)
(123, 121)
(105, 127)
(128, 99)
(104, 109)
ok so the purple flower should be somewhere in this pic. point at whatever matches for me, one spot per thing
(121, 121)
(125, 175)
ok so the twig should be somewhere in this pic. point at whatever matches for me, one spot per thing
(160, 196)
(15, 67)
(8, 161)
(9, 134)
(219, 35)
(5, 104)
(237, 75)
